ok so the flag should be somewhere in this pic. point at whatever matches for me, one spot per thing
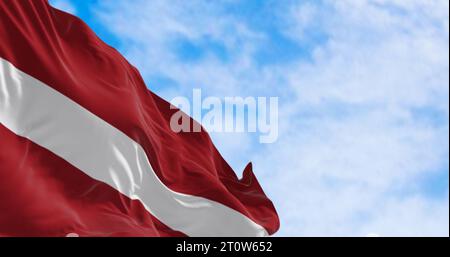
(86, 149)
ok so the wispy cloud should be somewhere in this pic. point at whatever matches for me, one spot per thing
(64, 5)
(363, 88)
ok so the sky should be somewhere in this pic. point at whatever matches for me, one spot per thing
(363, 89)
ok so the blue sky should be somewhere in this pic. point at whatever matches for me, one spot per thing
(364, 99)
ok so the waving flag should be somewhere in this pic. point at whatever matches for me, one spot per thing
(86, 148)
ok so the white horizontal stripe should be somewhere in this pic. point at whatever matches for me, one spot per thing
(35, 111)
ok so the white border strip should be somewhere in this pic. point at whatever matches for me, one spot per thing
(35, 111)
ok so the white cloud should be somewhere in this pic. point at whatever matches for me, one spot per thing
(64, 5)
(359, 141)
(412, 216)
(361, 121)
(152, 28)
